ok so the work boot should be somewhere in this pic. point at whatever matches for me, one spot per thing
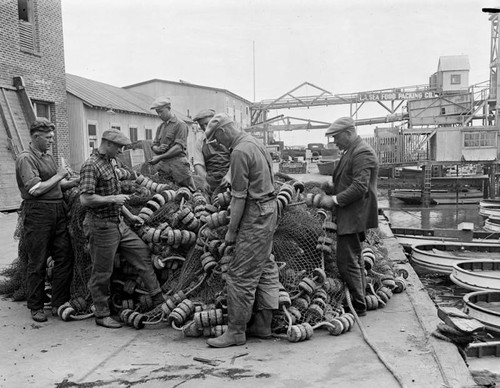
(234, 335)
(261, 327)
(107, 322)
(38, 315)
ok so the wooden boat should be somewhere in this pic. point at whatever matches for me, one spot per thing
(414, 196)
(410, 236)
(326, 167)
(492, 224)
(489, 203)
(485, 307)
(489, 212)
(478, 274)
(440, 257)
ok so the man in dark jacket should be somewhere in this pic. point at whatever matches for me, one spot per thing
(355, 197)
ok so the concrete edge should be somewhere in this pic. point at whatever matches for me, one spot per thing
(453, 368)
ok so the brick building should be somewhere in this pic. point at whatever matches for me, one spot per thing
(32, 83)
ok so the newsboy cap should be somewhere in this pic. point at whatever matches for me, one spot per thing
(160, 102)
(219, 120)
(340, 125)
(41, 124)
(116, 136)
(203, 114)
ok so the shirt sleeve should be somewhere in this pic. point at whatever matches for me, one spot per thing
(88, 179)
(156, 140)
(239, 175)
(28, 173)
(181, 134)
(198, 158)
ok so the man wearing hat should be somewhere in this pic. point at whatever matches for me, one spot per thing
(105, 229)
(169, 145)
(210, 160)
(252, 275)
(355, 197)
(45, 232)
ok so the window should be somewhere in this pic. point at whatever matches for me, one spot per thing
(116, 126)
(92, 128)
(456, 79)
(27, 30)
(149, 134)
(23, 9)
(92, 136)
(133, 134)
(480, 139)
(42, 109)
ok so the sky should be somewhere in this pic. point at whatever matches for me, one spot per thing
(261, 49)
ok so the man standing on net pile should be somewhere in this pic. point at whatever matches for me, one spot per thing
(355, 197)
(210, 160)
(41, 182)
(169, 146)
(252, 275)
(105, 229)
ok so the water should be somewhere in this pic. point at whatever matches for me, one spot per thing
(402, 215)
(440, 288)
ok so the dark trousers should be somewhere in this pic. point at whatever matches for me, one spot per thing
(106, 238)
(46, 234)
(252, 276)
(352, 267)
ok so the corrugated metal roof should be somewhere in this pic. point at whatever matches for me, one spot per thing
(100, 95)
(454, 62)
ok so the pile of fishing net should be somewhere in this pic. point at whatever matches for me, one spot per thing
(185, 233)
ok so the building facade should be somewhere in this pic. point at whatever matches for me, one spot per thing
(189, 98)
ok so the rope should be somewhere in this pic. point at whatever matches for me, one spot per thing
(81, 317)
(372, 346)
(197, 285)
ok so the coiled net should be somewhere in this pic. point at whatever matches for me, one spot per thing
(186, 232)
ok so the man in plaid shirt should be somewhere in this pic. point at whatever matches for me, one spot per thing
(105, 229)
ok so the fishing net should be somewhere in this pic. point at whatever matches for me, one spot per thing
(185, 233)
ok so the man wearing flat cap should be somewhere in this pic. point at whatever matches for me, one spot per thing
(210, 160)
(169, 146)
(45, 232)
(252, 275)
(105, 229)
(355, 198)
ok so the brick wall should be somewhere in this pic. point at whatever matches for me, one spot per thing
(43, 69)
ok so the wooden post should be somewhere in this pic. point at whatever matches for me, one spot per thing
(426, 189)
(491, 175)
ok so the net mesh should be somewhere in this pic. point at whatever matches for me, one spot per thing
(186, 238)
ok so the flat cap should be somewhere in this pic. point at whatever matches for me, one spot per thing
(203, 114)
(160, 102)
(340, 125)
(219, 120)
(42, 124)
(116, 136)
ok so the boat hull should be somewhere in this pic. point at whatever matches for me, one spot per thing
(438, 197)
(440, 258)
(410, 236)
(485, 307)
(477, 274)
(490, 203)
(492, 225)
